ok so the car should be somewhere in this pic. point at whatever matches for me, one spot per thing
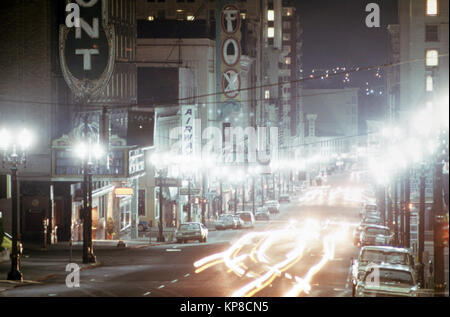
(272, 206)
(368, 208)
(370, 255)
(226, 221)
(366, 222)
(387, 280)
(284, 199)
(239, 222)
(262, 215)
(191, 231)
(375, 235)
(248, 218)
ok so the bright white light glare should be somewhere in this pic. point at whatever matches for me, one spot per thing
(97, 151)
(25, 139)
(81, 150)
(5, 139)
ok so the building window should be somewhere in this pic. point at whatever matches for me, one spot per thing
(190, 17)
(286, 37)
(270, 32)
(432, 7)
(432, 58)
(429, 83)
(151, 18)
(267, 94)
(286, 25)
(287, 60)
(270, 15)
(431, 33)
(287, 12)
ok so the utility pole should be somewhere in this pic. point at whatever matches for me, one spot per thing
(439, 273)
(421, 236)
(402, 210)
(161, 211)
(396, 235)
(88, 250)
(407, 210)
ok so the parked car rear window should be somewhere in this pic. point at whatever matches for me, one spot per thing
(190, 226)
(245, 217)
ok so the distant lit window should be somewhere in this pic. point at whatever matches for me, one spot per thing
(429, 83)
(270, 32)
(243, 15)
(432, 58)
(271, 15)
(286, 37)
(151, 18)
(287, 12)
(288, 60)
(190, 18)
(432, 7)
(267, 94)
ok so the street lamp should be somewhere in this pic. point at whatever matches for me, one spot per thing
(14, 154)
(89, 153)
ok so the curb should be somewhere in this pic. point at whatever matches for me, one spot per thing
(40, 280)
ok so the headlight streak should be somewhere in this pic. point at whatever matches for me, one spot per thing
(303, 285)
(310, 230)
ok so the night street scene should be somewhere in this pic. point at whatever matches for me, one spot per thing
(197, 151)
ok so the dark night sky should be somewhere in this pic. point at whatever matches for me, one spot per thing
(335, 34)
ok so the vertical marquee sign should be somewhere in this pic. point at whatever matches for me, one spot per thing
(188, 116)
(87, 52)
(229, 55)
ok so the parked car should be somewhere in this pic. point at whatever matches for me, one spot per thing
(387, 280)
(191, 231)
(272, 206)
(226, 221)
(248, 218)
(262, 215)
(375, 235)
(239, 222)
(371, 255)
(369, 209)
(284, 199)
(364, 223)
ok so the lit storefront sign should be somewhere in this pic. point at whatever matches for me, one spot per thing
(123, 191)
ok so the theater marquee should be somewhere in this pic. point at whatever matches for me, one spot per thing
(87, 52)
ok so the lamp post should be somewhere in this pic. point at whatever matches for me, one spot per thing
(90, 153)
(14, 155)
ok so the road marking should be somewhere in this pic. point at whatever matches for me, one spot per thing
(186, 275)
(174, 281)
(173, 250)
(162, 286)
(148, 293)
(51, 295)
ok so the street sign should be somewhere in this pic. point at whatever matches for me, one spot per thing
(168, 182)
(193, 191)
(87, 52)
